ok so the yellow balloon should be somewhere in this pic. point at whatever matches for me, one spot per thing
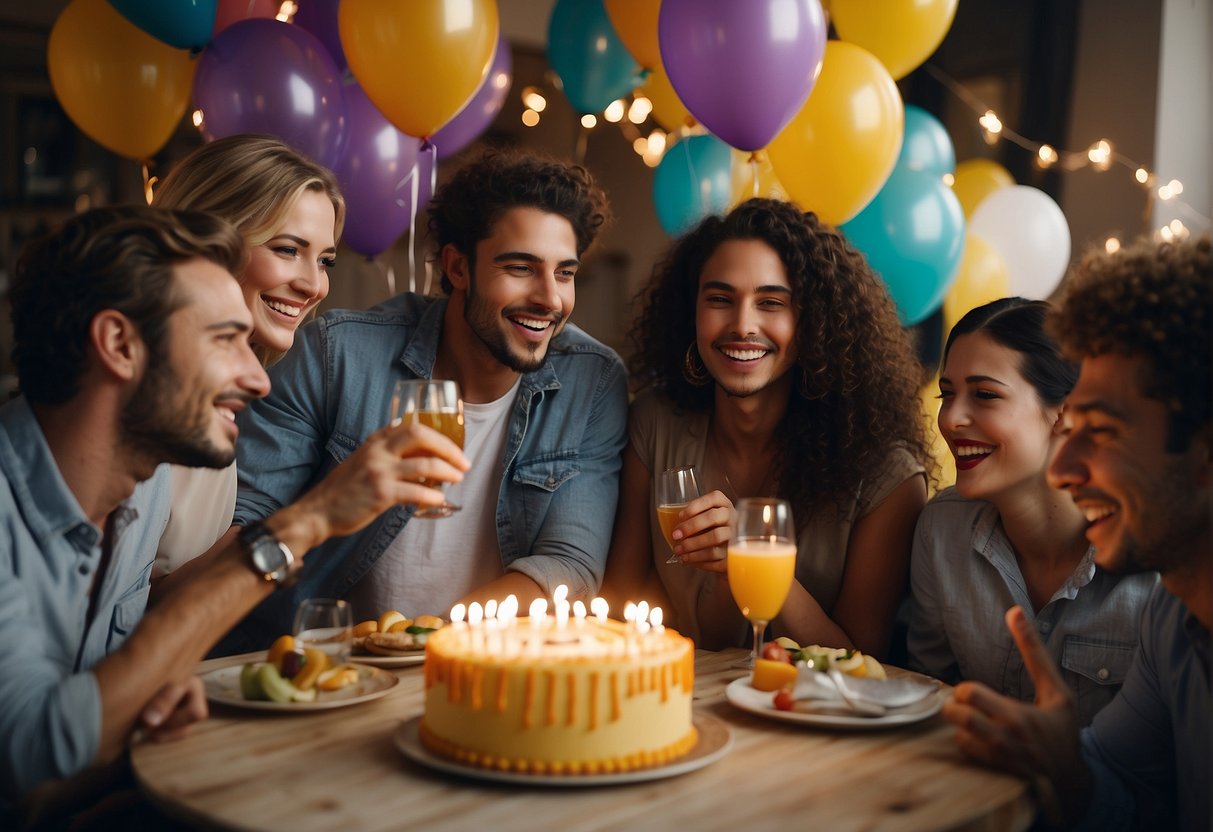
(668, 109)
(901, 33)
(124, 88)
(635, 21)
(940, 452)
(744, 165)
(419, 61)
(836, 153)
(976, 179)
(981, 278)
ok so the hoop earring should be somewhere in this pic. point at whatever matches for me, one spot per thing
(693, 370)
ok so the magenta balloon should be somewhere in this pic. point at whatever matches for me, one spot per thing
(264, 76)
(320, 18)
(376, 175)
(743, 70)
(478, 114)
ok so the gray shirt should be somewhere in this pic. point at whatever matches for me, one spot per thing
(964, 577)
(50, 705)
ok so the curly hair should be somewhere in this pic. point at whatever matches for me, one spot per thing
(463, 211)
(118, 258)
(856, 395)
(1151, 300)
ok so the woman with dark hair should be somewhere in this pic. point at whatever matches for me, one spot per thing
(770, 357)
(1002, 535)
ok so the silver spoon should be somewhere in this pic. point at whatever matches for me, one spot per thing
(859, 706)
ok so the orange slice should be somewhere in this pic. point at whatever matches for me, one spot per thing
(365, 628)
(317, 663)
(281, 646)
(769, 675)
(388, 619)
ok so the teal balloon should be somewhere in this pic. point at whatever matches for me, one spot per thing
(185, 24)
(594, 66)
(693, 181)
(912, 234)
(927, 145)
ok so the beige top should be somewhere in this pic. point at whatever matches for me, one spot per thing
(664, 437)
(203, 502)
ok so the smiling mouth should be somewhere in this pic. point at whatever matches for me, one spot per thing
(531, 324)
(970, 456)
(746, 355)
(290, 310)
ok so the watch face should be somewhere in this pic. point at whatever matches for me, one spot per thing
(268, 557)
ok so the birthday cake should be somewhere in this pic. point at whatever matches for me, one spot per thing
(544, 695)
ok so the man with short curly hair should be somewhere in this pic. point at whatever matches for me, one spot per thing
(1138, 459)
(545, 408)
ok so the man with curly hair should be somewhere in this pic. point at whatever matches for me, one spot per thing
(545, 408)
(771, 358)
(1138, 459)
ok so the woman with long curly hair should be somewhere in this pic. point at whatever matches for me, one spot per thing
(770, 357)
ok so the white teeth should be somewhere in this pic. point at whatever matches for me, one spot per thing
(227, 413)
(972, 450)
(536, 324)
(1093, 513)
(285, 309)
(744, 355)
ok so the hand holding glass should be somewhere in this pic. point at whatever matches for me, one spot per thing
(435, 403)
(675, 488)
(326, 624)
(762, 561)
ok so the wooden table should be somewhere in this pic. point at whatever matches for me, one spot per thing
(339, 769)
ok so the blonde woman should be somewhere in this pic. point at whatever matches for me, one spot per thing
(290, 212)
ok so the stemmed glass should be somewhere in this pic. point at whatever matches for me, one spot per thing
(435, 403)
(326, 624)
(675, 488)
(762, 561)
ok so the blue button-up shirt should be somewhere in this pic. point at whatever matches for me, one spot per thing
(564, 439)
(50, 705)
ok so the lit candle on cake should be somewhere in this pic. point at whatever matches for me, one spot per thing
(642, 616)
(457, 614)
(655, 618)
(579, 612)
(600, 609)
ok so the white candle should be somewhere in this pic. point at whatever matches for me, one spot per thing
(538, 611)
(561, 593)
(490, 608)
(642, 614)
(655, 618)
(600, 609)
(579, 612)
(457, 613)
(562, 614)
(629, 612)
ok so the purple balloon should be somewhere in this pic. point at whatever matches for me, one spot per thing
(478, 114)
(264, 76)
(376, 175)
(320, 18)
(743, 70)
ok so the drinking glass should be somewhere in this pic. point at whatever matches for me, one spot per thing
(435, 403)
(675, 488)
(762, 561)
(326, 624)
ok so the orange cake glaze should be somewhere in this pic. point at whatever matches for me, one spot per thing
(589, 698)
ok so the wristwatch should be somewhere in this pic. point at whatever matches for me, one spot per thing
(270, 557)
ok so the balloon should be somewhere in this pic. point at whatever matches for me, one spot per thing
(840, 148)
(743, 168)
(320, 18)
(474, 119)
(976, 179)
(420, 62)
(913, 235)
(376, 175)
(185, 24)
(927, 145)
(264, 76)
(901, 33)
(635, 21)
(124, 88)
(594, 66)
(668, 109)
(1031, 233)
(742, 69)
(981, 278)
(233, 11)
(691, 182)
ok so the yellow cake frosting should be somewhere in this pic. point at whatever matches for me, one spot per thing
(588, 697)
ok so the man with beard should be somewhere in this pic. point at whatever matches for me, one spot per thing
(545, 408)
(1137, 459)
(131, 348)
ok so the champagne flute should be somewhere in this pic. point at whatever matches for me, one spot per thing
(762, 561)
(435, 403)
(675, 488)
(326, 624)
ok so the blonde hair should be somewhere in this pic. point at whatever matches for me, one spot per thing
(253, 182)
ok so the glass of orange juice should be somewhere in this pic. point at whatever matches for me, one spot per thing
(675, 488)
(762, 561)
(435, 403)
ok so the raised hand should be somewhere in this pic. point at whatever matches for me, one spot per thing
(1037, 741)
(174, 708)
(703, 532)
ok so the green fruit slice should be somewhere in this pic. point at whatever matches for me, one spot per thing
(275, 687)
(250, 685)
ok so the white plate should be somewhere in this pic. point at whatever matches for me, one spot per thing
(223, 688)
(715, 740)
(377, 660)
(821, 714)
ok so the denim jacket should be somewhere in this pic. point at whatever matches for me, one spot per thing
(561, 466)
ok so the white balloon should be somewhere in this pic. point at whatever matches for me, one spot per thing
(1030, 231)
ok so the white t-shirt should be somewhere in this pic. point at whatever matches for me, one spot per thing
(434, 562)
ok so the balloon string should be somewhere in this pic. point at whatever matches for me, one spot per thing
(414, 175)
(148, 180)
(754, 173)
(428, 150)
